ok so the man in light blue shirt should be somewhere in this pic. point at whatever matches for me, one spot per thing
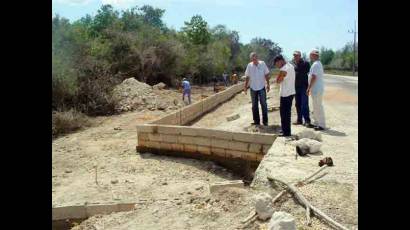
(316, 90)
(257, 73)
(186, 86)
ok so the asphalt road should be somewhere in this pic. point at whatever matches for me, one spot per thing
(346, 82)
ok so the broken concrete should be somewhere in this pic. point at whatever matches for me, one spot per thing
(308, 146)
(282, 221)
(263, 206)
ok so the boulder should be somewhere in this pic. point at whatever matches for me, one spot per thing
(282, 221)
(306, 146)
(263, 206)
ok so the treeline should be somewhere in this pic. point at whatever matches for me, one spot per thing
(339, 60)
(93, 54)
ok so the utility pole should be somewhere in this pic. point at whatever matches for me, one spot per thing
(354, 47)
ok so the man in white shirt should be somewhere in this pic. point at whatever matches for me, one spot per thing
(286, 79)
(316, 89)
(256, 74)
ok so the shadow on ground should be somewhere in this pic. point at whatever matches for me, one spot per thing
(333, 132)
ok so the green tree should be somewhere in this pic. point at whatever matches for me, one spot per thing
(326, 55)
(152, 16)
(197, 30)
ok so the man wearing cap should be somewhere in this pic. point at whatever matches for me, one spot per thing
(286, 79)
(301, 83)
(316, 89)
(186, 87)
(256, 74)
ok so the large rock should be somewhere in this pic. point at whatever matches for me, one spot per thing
(263, 205)
(307, 146)
(159, 86)
(282, 221)
(309, 134)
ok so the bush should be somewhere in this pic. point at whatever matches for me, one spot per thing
(68, 121)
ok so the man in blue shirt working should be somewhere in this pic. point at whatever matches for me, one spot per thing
(186, 90)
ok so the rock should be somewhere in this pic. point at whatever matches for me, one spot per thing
(306, 146)
(176, 102)
(282, 221)
(159, 86)
(309, 134)
(68, 171)
(164, 183)
(232, 117)
(114, 181)
(263, 205)
(117, 128)
(162, 106)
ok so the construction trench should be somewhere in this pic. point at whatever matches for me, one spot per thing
(200, 131)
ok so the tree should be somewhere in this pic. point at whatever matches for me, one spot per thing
(266, 49)
(326, 55)
(197, 30)
(152, 16)
(105, 17)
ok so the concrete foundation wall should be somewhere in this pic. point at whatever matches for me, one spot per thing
(197, 109)
(239, 151)
(202, 141)
(85, 211)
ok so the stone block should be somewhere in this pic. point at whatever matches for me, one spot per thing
(218, 152)
(190, 148)
(204, 150)
(169, 129)
(237, 145)
(143, 136)
(233, 153)
(154, 137)
(220, 143)
(169, 138)
(147, 128)
(249, 156)
(177, 147)
(255, 148)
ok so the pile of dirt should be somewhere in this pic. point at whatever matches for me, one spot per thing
(135, 95)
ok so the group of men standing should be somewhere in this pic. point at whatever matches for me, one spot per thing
(299, 80)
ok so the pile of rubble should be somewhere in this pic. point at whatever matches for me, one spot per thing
(135, 95)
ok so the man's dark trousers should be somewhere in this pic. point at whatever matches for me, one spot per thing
(302, 105)
(285, 114)
(259, 96)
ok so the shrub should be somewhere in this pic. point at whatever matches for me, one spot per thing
(68, 121)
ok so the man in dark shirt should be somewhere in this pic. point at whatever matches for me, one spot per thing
(302, 68)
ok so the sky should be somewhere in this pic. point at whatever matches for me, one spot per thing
(293, 24)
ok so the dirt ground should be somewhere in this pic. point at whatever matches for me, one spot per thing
(172, 192)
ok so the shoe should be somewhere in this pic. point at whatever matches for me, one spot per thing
(318, 128)
(253, 123)
(265, 124)
(297, 123)
(308, 125)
